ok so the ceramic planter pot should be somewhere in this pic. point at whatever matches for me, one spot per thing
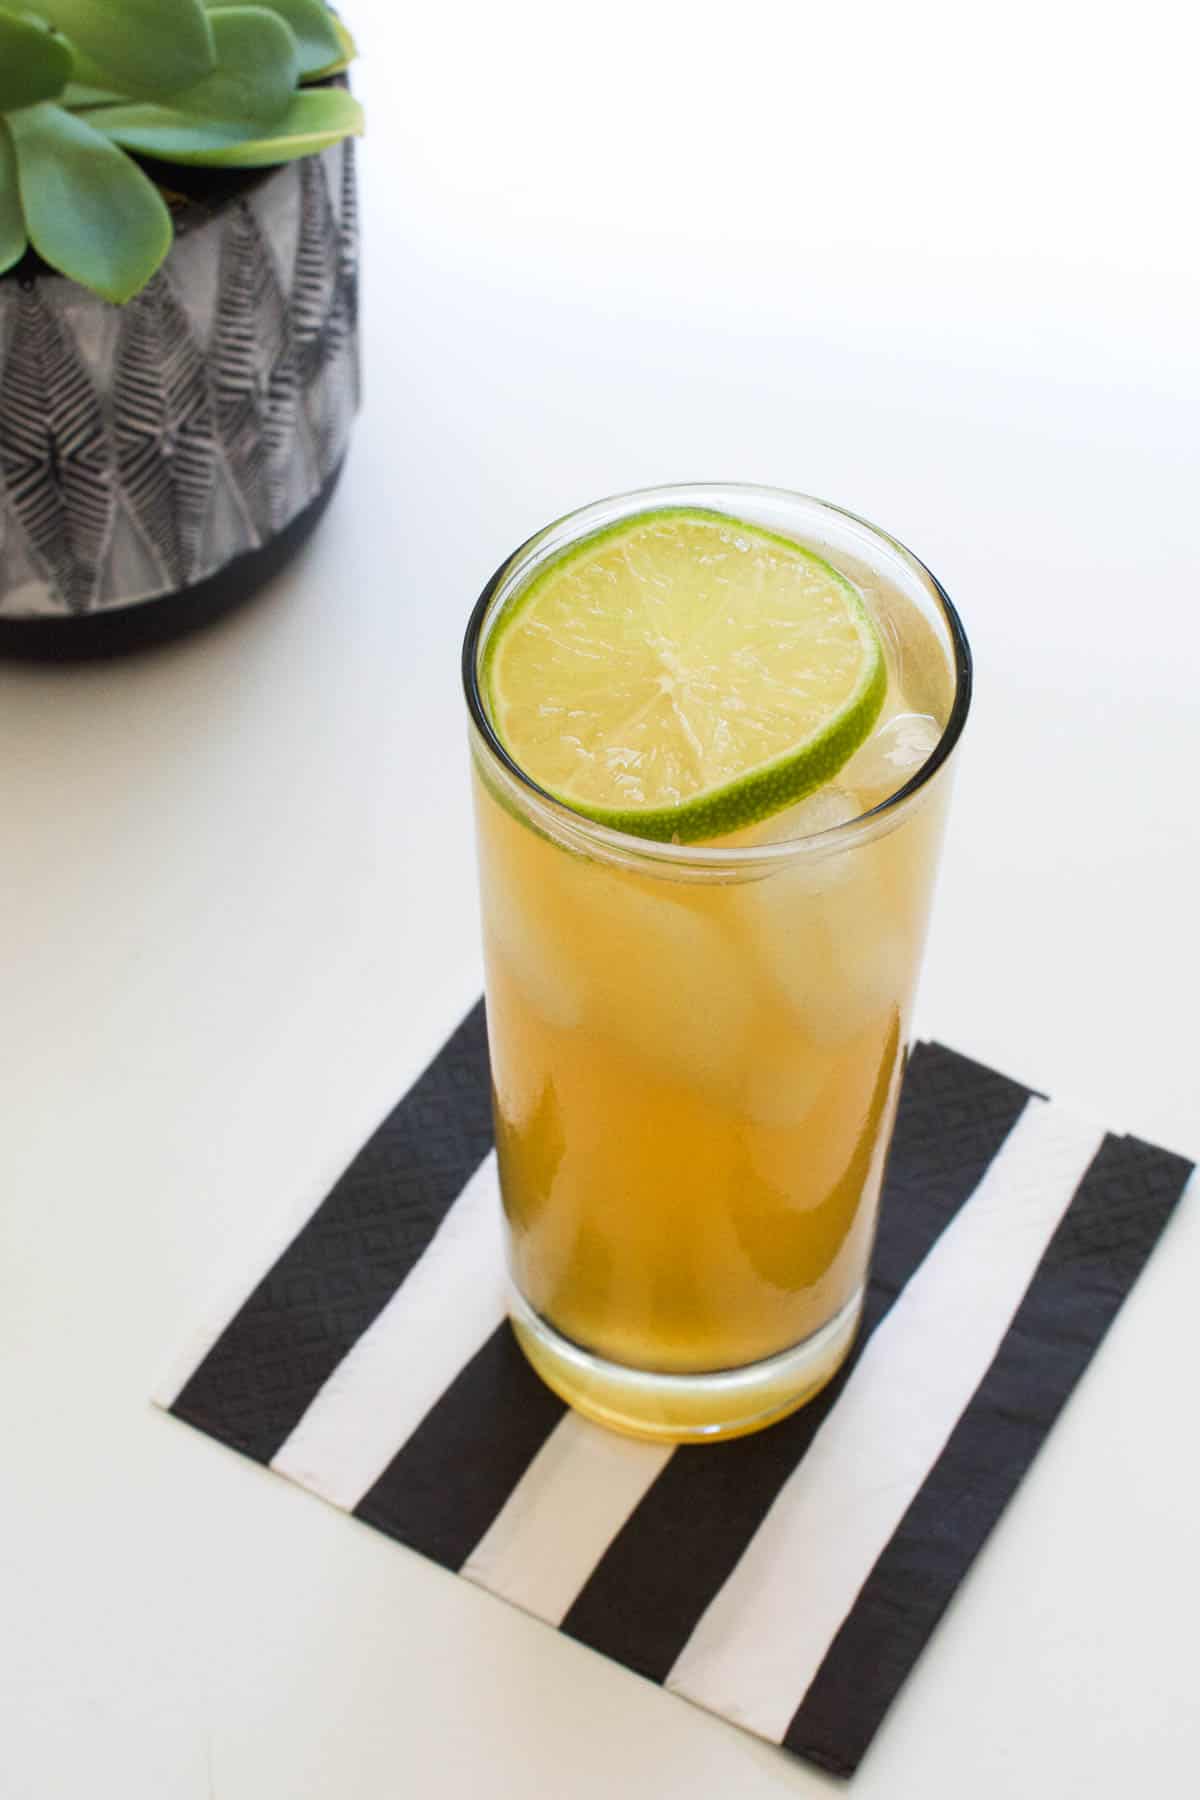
(161, 460)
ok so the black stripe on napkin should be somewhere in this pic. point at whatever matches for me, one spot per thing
(344, 1265)
(1097, 1253)
(445, 1486)
(676, 1550)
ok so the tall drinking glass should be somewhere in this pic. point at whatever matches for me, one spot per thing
(697, 1049)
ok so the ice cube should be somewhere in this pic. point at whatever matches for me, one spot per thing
(784, 1078)
(518, 929)
(828, 808)
(639, 960)
(661, 978)
(890, 756)
(827, 940)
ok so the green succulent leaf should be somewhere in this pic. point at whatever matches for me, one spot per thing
(78, 93)
(145, 48)
(14, 239)
(34, 65)
(347, 51)
(258, 66)
(91, 213)
(310, 22)
(315, 119)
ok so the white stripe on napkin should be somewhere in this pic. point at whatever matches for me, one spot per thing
(562, 1515)
(451, 1302)
(761, 1640)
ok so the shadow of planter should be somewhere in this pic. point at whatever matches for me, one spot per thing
(160, 461)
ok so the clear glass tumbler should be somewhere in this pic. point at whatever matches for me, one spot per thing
(697, 1049)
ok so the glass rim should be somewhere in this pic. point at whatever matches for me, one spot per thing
(627, 844)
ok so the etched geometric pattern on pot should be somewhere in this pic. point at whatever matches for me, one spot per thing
(249, 344)
(165, 430)
(333, 396)
(56, 458)
(143, 448)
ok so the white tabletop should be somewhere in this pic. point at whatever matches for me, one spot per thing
(940, 270)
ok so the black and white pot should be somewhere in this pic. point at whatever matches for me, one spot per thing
(159, 461)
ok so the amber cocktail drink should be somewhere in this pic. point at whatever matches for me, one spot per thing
(711, 736)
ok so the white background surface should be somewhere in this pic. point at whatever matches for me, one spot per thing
(936, 264)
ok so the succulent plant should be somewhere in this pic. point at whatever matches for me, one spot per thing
(87, 86)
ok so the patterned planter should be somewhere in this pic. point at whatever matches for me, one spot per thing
(160, 460)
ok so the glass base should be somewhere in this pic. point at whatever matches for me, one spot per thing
(685, 1409)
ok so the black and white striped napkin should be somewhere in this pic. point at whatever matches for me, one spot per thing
(787, 1580)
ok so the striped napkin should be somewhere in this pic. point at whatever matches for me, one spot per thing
(788, 1580)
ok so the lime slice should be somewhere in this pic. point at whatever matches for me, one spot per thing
(682, 675)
